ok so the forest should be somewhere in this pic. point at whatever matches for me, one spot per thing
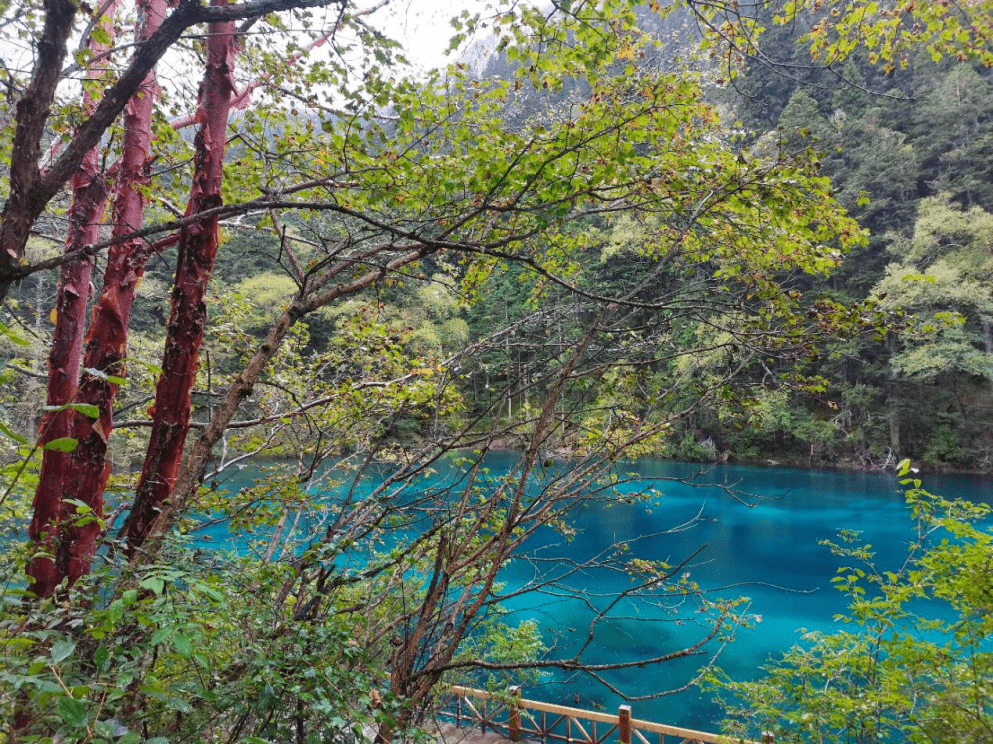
(260, 234)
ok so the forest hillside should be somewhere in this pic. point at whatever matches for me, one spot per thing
(251, 237)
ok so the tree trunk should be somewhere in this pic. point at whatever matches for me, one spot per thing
(892, 409)
(197, 249)
(106, 343)
(50, 513)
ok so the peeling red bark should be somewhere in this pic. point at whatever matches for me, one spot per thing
(31, 191)
(63, 375)
(49, 510)
(106, 342)
(197, 250)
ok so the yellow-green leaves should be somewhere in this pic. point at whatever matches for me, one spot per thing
(891, 31)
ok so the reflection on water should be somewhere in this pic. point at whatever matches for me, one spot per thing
(760, 542)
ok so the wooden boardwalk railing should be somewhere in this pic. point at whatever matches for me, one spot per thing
(518, 718)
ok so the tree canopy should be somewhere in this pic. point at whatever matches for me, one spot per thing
(377, 276)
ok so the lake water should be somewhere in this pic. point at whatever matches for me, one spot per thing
(767, 552)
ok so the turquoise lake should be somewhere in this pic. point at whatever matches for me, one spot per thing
(768, 552)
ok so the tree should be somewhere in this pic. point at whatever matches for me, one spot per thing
(952, 133)
(65, 359)
(940, 280)
(901, 86)
(197, 250)
(941, 277)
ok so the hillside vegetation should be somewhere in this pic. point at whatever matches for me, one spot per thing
(674, 230)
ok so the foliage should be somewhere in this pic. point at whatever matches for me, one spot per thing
(915, 665)
(940, 275)
(181, 655)
(893, 100)
(890, 32)
(501, 643)
(634, 272)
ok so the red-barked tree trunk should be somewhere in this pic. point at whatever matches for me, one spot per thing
(197, 250)
(106, 342)
(51, 513)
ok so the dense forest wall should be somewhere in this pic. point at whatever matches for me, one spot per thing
(908, 154)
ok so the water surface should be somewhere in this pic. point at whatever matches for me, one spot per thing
(759, 541)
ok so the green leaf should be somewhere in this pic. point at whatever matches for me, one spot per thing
(72, 712)
(87, 409)
(115, 612)
(94, 372)
(13, 337)
(81, 506)
(147, 365)
(104, 729)
(182, 645)
(62, 650)
(62, 444)
(154, 584)
(100, 35)
(210, 592)
(101, 657)
(12, 434)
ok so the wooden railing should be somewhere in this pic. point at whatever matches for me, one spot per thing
(518, 718)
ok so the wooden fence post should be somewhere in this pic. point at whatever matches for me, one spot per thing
(514, 714)
(624, 723)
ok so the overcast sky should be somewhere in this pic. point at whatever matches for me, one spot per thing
(422, 27)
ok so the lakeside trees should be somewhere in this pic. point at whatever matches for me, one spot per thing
(916, 665)
(892, 98)
(356, 182)
(353, 186)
